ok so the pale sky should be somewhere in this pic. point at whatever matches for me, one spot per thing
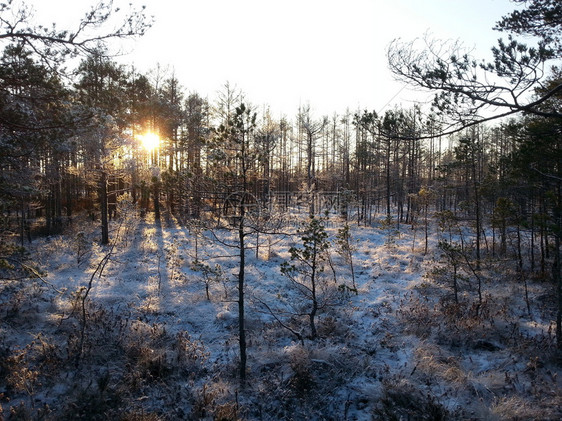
(282, 53)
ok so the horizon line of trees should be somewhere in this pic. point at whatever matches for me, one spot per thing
(68, 145)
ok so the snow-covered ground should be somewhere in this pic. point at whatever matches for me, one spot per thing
(145, 341)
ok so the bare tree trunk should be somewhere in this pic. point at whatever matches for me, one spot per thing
(388, 179)
(156, 196)
(556, 267)
(314, 310)
(104, 208)
(241, 320)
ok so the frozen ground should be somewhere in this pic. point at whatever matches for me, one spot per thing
(145, 341)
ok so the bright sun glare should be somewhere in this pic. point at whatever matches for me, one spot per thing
(150, 141)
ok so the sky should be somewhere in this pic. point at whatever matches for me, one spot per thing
(330, 55)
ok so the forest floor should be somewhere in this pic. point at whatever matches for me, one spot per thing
(128, 332)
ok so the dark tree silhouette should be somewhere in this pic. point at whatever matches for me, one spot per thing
(466, 87)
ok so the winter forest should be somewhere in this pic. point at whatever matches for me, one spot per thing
(167, 256)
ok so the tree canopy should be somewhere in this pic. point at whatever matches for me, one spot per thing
(52, 44)
(470, 90)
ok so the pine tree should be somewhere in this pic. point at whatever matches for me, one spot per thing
(235, 154)
(305, 268)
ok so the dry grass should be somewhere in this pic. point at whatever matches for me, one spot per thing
(218, 401)
(403, 400)
(518, 408)
(435, 365)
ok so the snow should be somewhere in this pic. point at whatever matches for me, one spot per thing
(169, 351)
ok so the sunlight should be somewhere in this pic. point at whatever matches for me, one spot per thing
(150, 141)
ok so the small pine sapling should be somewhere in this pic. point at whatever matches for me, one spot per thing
(453, 254)
(345, 248)
(424, 197)
(210, 275)
(81, 246)
(196, 228)
(305, 268)
(392, 232)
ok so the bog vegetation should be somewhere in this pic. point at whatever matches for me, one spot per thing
(165, 256)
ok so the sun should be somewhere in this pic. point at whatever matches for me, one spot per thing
(150, 141)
